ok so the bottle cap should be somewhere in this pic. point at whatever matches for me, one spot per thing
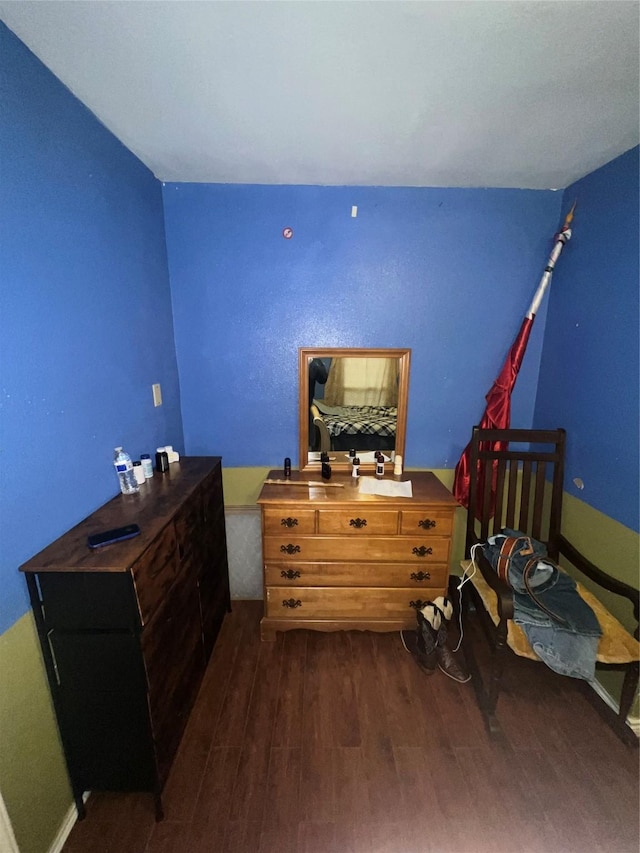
(117, 449)
(145, 456)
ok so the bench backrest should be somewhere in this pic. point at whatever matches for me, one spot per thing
(516, 480)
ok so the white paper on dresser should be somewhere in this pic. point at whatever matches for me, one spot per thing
(386, 488)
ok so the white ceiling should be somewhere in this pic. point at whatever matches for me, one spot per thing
(482, 93)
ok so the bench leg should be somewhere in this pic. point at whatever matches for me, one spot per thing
(629, 688)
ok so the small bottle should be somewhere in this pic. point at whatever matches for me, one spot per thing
(397, 467)
(162, 460)
(379, 466)
(355, 469)
(287, 467)
(352, 454)
(124, 469)
(147, 465)
(172, 455)
(138, 472)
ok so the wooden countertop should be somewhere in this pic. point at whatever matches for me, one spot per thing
(425, 485)
(151, 508)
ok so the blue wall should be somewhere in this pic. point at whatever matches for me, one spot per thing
(430, 269)
(589, 374)
(85, 313)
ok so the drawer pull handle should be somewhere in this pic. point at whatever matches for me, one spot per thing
(418, 605)
(290, 574)
(420, 576)
(290, 549)
(54, 662)
(358, 522)
(426, 523)
(292, 602)
(422, 551)
(289, 522)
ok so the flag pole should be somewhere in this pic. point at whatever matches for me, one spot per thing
(562, 238)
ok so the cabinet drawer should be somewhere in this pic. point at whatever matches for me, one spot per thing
(366, 522)
(439, 522)
(171, 644)
(356, 574)
(279, 520)
(188, 526)
(346, 602)
(155, 571)
(293, 548)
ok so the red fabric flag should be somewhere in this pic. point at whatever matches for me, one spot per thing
(497, 414)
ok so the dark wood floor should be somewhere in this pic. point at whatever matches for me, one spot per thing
(337, 743)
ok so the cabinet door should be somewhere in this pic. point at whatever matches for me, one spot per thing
(103, 714)
(77, 601)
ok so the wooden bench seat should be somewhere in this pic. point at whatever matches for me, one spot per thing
(617, 645)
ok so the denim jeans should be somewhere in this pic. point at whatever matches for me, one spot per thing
(569, 647)
(569, 650)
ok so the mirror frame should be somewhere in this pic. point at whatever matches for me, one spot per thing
(305, 354)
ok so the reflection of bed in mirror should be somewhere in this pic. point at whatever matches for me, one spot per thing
(353, 403)
(359, 427)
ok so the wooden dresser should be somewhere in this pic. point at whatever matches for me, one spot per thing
(337, 559)
(126, 630)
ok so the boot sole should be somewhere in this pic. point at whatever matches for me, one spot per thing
(462, 680)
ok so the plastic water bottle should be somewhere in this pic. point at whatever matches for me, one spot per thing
(124, 469)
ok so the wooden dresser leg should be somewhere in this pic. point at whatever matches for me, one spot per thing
(267, 635)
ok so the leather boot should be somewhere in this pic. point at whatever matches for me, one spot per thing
(426, 654)
(422, 642)
(446, 661)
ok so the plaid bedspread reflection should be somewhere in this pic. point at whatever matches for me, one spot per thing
(362, 420)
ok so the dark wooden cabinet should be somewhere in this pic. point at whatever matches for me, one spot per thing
(126, 630)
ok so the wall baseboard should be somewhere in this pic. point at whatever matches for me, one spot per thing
(8, 843)
(68, 822)
(632, 722)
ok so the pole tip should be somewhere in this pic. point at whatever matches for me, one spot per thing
(569, 217)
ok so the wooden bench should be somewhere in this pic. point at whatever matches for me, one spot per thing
(516, 481)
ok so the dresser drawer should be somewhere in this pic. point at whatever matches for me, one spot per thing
(423, 549)
(155, 571)
(356, 574)
(279, 520)
(358, 520)
(346, 602)
(439, 522)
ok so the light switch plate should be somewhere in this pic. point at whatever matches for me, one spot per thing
(157, 394)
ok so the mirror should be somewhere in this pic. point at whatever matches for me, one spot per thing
(352, 399)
